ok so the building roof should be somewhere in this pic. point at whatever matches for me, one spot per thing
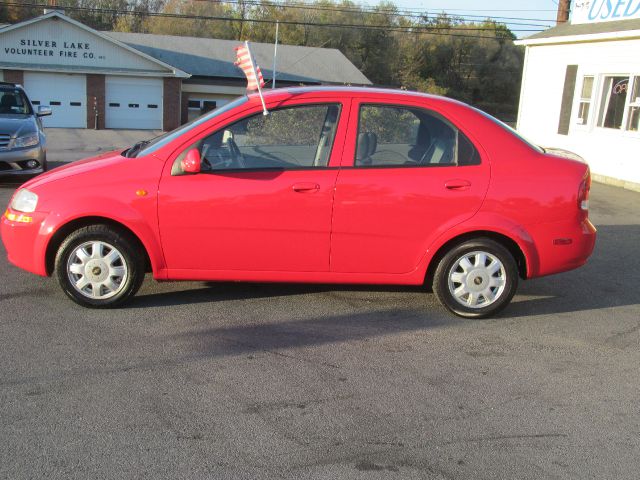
(210, 57)
(586, 31)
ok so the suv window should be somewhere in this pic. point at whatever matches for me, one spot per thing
(406, 136)
(287, 138)
(14, 102)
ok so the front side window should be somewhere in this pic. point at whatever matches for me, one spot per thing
(614, 98)
(288, 138)
(13, 102)
(407, 136)
(585, 100)
(633, 116)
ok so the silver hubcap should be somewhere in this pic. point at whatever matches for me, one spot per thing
(477, 279)
(97, 270)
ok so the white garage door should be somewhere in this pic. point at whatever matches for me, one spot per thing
(133, 102)
(65, 94)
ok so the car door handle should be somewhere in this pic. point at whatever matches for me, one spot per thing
(306, 187)
(457, 184)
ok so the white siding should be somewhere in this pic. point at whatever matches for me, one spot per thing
(609, 152)
(55, 44)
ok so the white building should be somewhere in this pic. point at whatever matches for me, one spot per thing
(581, 88)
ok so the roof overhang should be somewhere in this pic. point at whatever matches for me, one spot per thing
(583, 38)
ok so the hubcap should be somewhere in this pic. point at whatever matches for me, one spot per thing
(477, 279)
(97, 270)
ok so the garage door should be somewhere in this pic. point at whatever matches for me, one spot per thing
(133, 102)
(65, 94)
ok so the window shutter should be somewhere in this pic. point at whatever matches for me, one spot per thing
(567, 99)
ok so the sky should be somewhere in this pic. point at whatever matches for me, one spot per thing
(522, 9)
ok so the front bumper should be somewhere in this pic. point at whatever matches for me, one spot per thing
(14, 162)
(26, 242)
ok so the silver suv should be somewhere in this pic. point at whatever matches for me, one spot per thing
(22, 139)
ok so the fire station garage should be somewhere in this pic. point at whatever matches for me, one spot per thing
(94, 79)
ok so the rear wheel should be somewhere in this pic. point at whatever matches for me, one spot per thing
(98, 266)
(476, 279)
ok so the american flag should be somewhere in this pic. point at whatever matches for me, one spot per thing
(252, 71)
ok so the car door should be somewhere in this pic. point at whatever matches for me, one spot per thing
(408, 175)
(263, 199)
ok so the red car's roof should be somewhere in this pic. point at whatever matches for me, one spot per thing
(282, 93)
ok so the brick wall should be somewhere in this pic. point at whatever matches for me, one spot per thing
(95, 100)
(171, 103)
(14, 76)
(184, 116)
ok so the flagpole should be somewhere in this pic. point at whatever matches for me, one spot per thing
(255, 73)
(275, 54)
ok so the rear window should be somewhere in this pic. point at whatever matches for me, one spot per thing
(510, 130)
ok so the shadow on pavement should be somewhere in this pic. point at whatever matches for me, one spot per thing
(222, 291)
(275, 337)
(609, 279)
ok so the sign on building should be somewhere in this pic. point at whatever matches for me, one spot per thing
(594, 11)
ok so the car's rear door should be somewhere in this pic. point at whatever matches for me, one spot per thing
(409, 173)
(264, 199)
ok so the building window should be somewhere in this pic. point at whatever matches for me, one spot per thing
(633, 117)
(585, 100)
(614, 98)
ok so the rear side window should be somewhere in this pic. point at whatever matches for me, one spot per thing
(394, 136)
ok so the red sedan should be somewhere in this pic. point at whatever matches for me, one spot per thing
(334, 185)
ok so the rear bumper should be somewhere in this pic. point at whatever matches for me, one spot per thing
(24, 242)
(14, 162)
(562, 246)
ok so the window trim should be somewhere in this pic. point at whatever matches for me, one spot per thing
(633, 78)
(579, 100)
(360, 103)
(183, 149)
(601, 91)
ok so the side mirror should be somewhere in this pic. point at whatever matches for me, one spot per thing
(191, 161)
(43, 111)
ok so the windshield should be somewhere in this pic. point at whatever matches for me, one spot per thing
(13, 102)
(510, 130)
(164, 139)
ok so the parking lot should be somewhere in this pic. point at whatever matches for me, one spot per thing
(200, 380)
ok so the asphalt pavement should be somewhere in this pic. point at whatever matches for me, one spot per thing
(252, 381)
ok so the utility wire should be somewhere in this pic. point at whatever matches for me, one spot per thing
(380, 11)
(413, 29)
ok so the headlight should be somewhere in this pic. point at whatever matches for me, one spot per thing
(29, 140)
(24, 201)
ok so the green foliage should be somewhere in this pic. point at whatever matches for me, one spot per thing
(289, 126)
(391, 125)
(476, 63)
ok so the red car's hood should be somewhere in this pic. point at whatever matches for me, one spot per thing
(81, 166)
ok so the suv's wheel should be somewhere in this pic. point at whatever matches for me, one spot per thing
(98, 266)
(476, 278)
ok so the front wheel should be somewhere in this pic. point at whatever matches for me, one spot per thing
(98, 266)
(476, 279)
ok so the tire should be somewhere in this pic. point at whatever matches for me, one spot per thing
(476, 279)
(100, 267)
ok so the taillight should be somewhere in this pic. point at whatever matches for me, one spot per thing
(583, 192)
